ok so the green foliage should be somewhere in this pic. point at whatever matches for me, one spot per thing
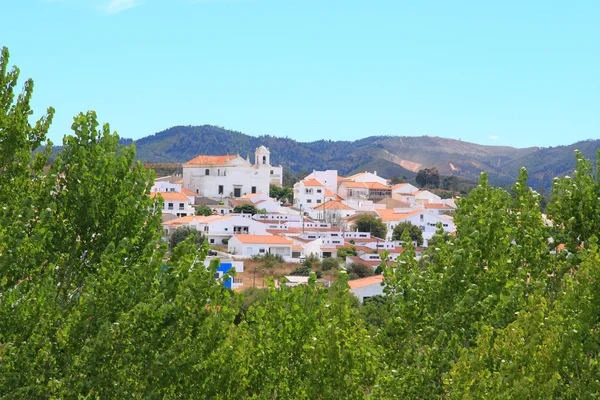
(329, 264)
(90, 307)
(204, 210)
(246, 209)
(269, 260)
(285, 194)
(415, 233)
(357, 270)
(182, 233)
(305, 270)
(370, 223)
(428, 177)
(344, 252)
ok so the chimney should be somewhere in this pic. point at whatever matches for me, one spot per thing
(375, 173)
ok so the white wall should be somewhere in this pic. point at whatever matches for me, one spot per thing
(367, 291)
(327, 178)
(238, 173)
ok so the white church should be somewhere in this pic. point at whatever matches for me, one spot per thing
(231, 175)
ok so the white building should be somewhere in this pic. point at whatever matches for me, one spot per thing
(366, 287)
(424, 219)
(308, 193)
(328, 178)
(175, 203)
(331, 212)
(217, 228)
(366, 177)
(404, 188)
(231, 176)
(262, 201)
(249, 245)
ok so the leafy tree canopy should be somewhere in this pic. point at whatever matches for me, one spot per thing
(415, 233)
(372, 224)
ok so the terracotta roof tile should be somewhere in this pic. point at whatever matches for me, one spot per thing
(170, 196)
(333, 205)
(438, 206)
(263, 239)
(210, 160)
(188, 192)
(312, 182)
(368, 281)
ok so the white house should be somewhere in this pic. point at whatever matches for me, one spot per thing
(249, 245)
(231, 175)
(262, 200)
(331, 211)
(175, 203)
(366, 287)
(404, 188)
(364, 190)
(424, 219)
(217, 228)
(366, 177)
(308, 193)
(426, 197)
(328, 178)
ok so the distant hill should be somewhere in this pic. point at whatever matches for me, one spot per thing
(388, 155)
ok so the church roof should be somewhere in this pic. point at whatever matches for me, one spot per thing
(210, 160)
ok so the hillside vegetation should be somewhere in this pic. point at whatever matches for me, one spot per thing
(388, 155)
(93, 306)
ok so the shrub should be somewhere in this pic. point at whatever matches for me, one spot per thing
(330, 263)
(359, 270)
(182, 233)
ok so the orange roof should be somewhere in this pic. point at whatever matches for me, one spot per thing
(329, 193)
(356, 175)
(366, 185)
(210, 160)
(333, 205)
(250, 195)
(263, 239)
(187, 192)
(354, 185)
(312, 182)
(440, 206)
(398, 186)
(389, 215)
(170, 196)
(368, 281)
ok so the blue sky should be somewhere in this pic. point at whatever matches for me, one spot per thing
(519, 73)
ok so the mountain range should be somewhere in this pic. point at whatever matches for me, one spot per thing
(388, 155)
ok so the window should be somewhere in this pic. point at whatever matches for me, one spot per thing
(181, 206)
(318, 190)
(218, 172)
(253, 189)
(421, 217)
(308, 200)
(264, 159)
(318, 200)
(170, 206)
(272, 172)
(220, 189)
(207, 171)
(212, 241)
(261, 250)
(197, 191)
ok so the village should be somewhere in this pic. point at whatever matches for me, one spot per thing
(320, 224)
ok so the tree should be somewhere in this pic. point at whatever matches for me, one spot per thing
(181, 233)
(204, 210)
(329, 264)
(394, 180)
(428, 177)
(246, 209)
(372, 224)
(415, 233)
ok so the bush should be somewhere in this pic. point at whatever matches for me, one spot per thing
(305, 270)
(344, 252)
(356, 270)
(311, 260)
(182, 233)
(330, 263)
